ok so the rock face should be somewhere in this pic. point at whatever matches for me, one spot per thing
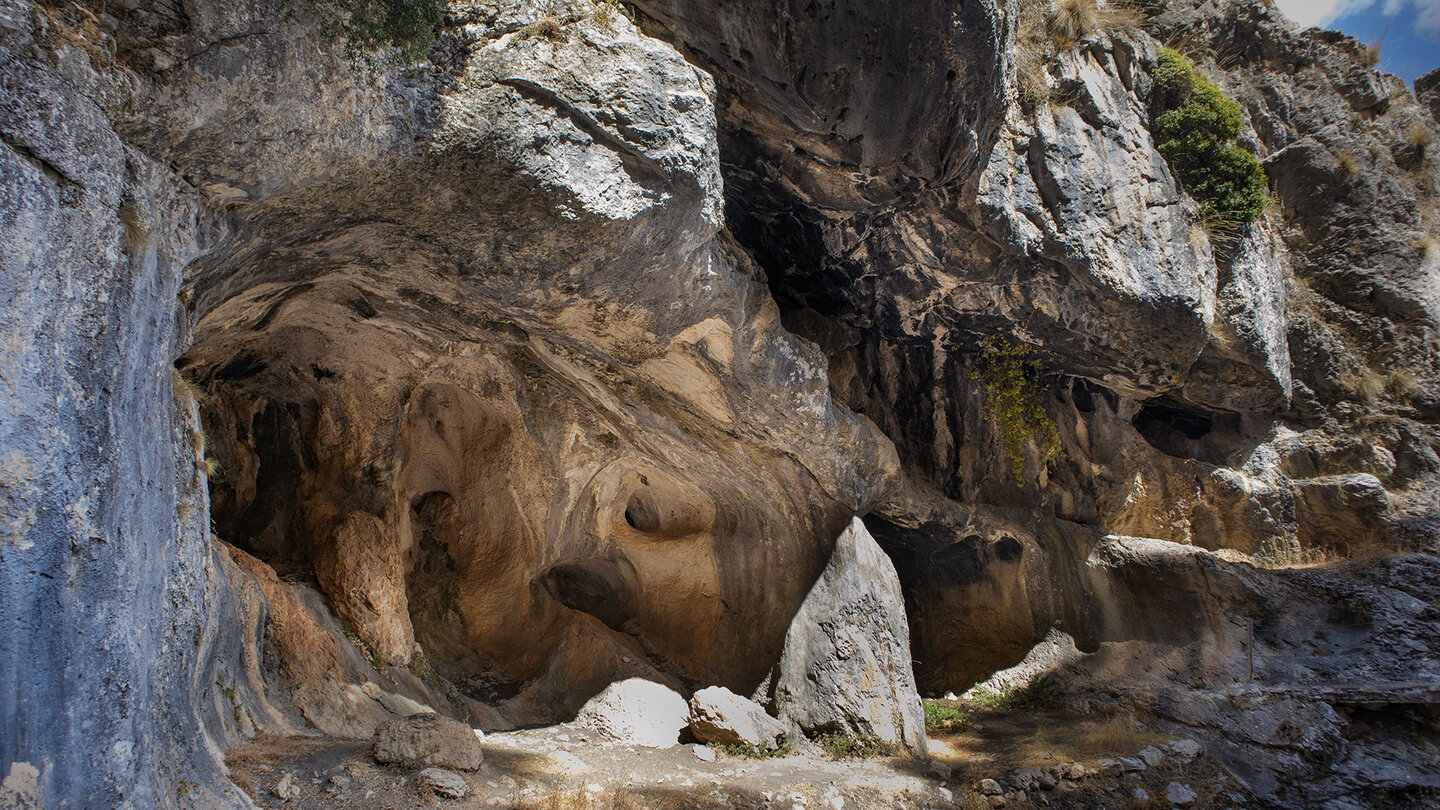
(428, 739)
(721, 716)
(846, 664)
(637, 712)
(563, 357)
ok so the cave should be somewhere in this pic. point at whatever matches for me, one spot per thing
(1185, 431)
(534, 372)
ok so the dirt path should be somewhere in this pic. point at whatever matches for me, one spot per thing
(571, 768)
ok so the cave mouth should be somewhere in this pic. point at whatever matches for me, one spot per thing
(959, 589)
(1186, 431)
(599, 587)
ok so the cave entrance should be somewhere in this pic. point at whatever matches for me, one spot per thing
(1186, 431)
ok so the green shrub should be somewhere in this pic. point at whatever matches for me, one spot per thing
(843, 746)
(1195, 127)
(1014, 380)
(1037, 693)
(367, 26)
(939, 717)
(783, 746)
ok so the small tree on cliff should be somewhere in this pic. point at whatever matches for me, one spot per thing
(1195, 127)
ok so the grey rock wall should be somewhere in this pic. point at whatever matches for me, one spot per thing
(111, 597)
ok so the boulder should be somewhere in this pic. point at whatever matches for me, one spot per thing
(846, 660)
(721, 716)
(638, 712)
(428, 739)
(1179, 794)
(443, 783)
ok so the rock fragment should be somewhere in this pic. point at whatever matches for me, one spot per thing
(721, 716)
(428, 739)
(1179, 794)
(846, 661)
(443, 783)
(286, 789)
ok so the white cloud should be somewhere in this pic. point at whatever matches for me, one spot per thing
(1312, 12)
(1321, 12)
(1429, 22)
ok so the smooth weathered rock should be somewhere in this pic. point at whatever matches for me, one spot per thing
(846, 663)
(428, 739)
(637, 712)
(721, 716)
(1185, 749)
(445, 784)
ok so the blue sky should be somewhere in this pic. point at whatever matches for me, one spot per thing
(1407, 31)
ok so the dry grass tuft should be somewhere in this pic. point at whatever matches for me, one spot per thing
(1119, 734)
(1295, 556)
(616, 799)
(135, 231)
(1349, 165)
(551, 28)
(1402, 385)
(1072, 20)
(1043, 28)
(1368, 384)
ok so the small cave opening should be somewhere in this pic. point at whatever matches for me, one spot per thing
(258, 513)
(642, 513)
(959, 601)
(1186, 431)
(599, 587)
(1160, 419)
(433, 591)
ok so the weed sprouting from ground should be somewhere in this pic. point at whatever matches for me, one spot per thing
(944, 719)
(783, 746)
(1037, 694)
(840, 745)
(367, 26)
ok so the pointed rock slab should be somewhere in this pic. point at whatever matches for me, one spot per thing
(846, 662)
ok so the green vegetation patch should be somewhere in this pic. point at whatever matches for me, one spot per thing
(1014, 380)
(945, 719)
(840, 745)
(1195, 127)
(1035, 695)
(783, 746)
(368, 26)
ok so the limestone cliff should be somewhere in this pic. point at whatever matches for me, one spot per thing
(335, 392)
